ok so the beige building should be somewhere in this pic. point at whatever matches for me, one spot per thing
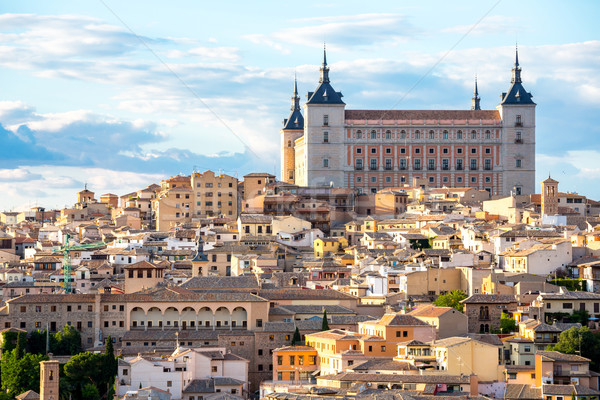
(183, 198)
(447, 320)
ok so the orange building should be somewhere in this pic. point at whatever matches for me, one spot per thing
(294, 363)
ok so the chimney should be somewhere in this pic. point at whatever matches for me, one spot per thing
(474, 384)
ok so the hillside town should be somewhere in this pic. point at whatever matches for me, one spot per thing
(209, 287)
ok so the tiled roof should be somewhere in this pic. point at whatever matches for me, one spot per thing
(220, 282)
(558, 356)
(568, 390)
(431, 311)
(490, 298)
(408, 115)
(303, 294)
(383, 365)
(522, 392)
(408, 378)
(399, 320)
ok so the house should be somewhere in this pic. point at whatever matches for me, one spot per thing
(447, 320)
(484, 310)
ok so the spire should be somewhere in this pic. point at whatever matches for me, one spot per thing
(324, 67)
(475, 99)
(295, 97)
(516, 71)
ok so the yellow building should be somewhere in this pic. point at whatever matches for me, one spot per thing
(332, 245)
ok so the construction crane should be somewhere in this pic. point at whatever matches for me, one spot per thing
(66, 249)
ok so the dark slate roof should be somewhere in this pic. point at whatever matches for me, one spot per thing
(200, 386)
(325, 94)
(516, 95)
(294, 122)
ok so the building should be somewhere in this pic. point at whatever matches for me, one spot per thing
(370, 150)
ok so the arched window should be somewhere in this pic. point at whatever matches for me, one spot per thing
(459, 134)
(473, 135)
(431, 135)
(445, 135)
(403, 134)
(388, 134)
(289, 143)
(373, 135)
(488, 135)
(359, 134)
(417, 134)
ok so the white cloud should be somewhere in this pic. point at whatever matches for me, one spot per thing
(340, 32)
(494, 24)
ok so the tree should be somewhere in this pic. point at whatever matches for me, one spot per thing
(452, 299)
(507, 324)
(325, 323)
(580, 341)
(68, 342)
(20, 374)
(297, 339)
(10, 339)
(90, 392)
(581, 316)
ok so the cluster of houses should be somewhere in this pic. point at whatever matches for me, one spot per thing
(212, 288)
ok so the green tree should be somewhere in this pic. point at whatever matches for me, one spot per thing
(20, 374)
(507, 324)
(452, 299)
(68, 342)
(325, 323)
(10, 339)
(90, 392)
(581, 316)
(580, 341)
(297, 339)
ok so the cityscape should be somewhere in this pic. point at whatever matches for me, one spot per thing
(391, 211)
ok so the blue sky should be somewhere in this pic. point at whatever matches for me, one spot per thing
(123, 94)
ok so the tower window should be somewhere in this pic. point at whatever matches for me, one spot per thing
(325, 163)
(518, 121)
(518, 163)
(289, 143)
(325, 137)
(326, 120)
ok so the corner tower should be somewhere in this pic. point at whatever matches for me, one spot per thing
(293, 128)
(320, 160)
(517, 111)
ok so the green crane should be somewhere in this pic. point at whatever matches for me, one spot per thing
(66, 249)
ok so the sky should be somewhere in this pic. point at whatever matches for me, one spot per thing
(118, 95)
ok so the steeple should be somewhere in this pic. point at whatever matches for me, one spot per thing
(475, 99)
(295, 97)
(516, 71)
(324, 68)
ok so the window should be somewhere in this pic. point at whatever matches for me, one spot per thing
(487, 164)
(326, 120)
(459, 134)
(213, 368)
(292, 360)
(417, 134)
(373, 164)
(359, 151)
(445, 135)
(358, 179)
(431, 150)
(325, 137)
(567, 305)
(431, 165)
(488, 135)
(388, 179)
(402, 134)
(373, 135)
(517, 163)
(445, 164)
(169, 383)
(388, 164)
(359, 134)
(259, 323)
(431, 179)
(279, 360)
(417, 165)
(431, 135)
(417, 151)
(518, 121)
(473, 179)
(325, 163)
(388, 150)
(382, 349)
(473, 164)
(459, 151)
(459, 179)
(373, 179)
(445, 150)
(518, 137)
(388, 135)
(373, 150)
(402, 164)
(488, 150)
(473, 135)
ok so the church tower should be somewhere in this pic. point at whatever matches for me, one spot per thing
(517, 111)
(320, 156)
(49, 380)
(549, 196)
(293, 128)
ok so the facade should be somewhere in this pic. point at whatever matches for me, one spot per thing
(371, 150)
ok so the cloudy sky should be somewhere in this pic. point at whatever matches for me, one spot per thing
(119, 95)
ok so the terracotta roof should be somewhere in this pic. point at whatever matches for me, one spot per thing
(490, 298)
(399, 320)
(431, 311)
(558, 356)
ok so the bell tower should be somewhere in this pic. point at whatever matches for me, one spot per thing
(49, 380)
(549, 196)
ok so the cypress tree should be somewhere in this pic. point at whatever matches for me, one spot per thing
(325, 324)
